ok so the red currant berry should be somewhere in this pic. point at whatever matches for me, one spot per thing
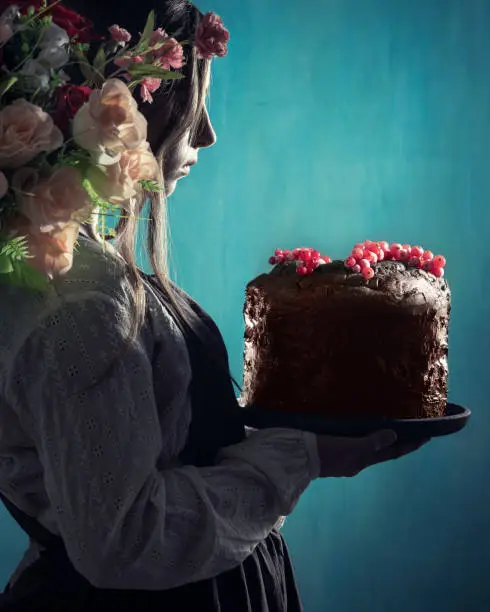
(272, 261)
(364, 263)
(416, 251)
(403, 255)
(356, 269)
(373, 258)
(439, 261)
(438, 271)
(395, 248)
(327, 259)
(357, 253)
(302, 270)
(384, 245)
(428, 256)
(407, 247)
(368, 273)
(350, 262)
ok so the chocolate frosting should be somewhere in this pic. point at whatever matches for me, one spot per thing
(333, 343)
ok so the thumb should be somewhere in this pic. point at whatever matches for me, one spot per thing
(383, 439)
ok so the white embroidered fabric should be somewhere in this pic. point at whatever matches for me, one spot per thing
(95, 461)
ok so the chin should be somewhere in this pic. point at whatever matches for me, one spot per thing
(170, 187)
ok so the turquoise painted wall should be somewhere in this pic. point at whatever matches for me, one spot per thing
(340, 120)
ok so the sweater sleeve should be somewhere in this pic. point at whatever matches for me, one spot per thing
(127, 521)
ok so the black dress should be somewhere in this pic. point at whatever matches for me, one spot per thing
(264, 582)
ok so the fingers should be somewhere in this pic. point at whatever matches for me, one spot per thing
(395, 452)
(382, 439)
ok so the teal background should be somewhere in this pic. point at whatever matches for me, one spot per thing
(340, 120)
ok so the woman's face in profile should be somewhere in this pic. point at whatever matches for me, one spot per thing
(184, 154)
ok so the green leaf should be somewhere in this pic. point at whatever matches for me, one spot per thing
(7, 84)
(148, 70)
(99, 62)
(15, 248)
(86, 69)
(5, 265)
(22, 275)
(148, 31)
(151, 186)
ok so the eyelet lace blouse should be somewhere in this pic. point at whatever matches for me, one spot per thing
(96, 461)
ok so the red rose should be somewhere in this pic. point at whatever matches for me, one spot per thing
(73, 23)
(69, 100)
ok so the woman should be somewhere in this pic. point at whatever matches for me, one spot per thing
(123, 455)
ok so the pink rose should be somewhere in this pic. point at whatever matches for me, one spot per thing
(51, 253)
(49, 204)
(25, 131)
(149, 86)
(4, 186)
(110, 121)
(118, 182)
(119, 34)
(211, 37)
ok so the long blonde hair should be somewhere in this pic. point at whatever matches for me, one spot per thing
(179, 107)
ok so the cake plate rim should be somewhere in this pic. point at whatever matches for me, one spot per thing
(455, 419)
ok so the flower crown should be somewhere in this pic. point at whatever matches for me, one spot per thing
(67, 150)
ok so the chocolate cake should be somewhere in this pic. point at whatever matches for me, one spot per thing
(337, 342)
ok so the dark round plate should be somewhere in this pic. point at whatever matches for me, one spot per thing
(453, 421)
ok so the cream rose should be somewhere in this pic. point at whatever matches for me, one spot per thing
(110, 120)
(118, 182)
(50, 203)
(25, 131)
(52, 253)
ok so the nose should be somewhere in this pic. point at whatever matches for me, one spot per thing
(205, 135)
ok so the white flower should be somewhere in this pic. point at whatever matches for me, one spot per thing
(53, 47)
(9, 15)
(38, 76)
(53, 57)
(53, 36)
(7, 19)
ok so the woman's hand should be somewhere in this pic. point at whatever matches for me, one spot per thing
(349, 456)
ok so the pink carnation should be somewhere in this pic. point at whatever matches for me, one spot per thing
(128, 60)
(149, 86)
(170, 54)
(211, 37)
(119, 34)
(158, 36)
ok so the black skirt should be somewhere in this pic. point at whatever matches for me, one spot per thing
(263, 583)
